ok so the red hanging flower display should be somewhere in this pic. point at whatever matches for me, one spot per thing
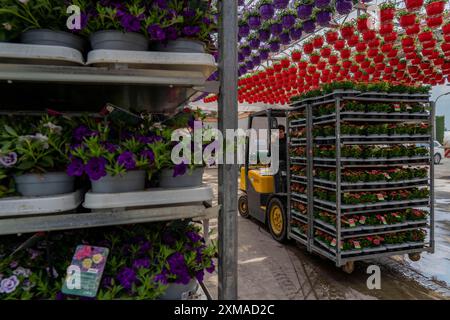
(331, 37)
(369, 35)
(333, 59)
(347, 31)
(413, 30)
(296, 55)
(339, 44)
(434, 22)
(362, 23)
(308, 48)
(386, 29)
(407, 19)
(446, 28)
(435, 8)
(387, 13)
(413, 4)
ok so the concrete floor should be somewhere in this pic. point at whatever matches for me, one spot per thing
(270, 270)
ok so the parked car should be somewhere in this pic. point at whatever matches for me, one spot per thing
(439, 152)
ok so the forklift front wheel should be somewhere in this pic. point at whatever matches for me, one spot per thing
(243, 206)
(276, 217)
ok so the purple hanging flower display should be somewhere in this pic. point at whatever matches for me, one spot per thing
(288, 19)
(344, 6)
(249, 64)
(244, 29)
(296, 32)
(263, 35)
(241, 56)
(274, 44)
(309, 26)
(264, 53)
(256, 60)
(321, 4)
(254, 43)
(323, 18)
(276, 28)
(245, 49)
(285, 38)
(266, 10)
(242, 70)
(280, 4)
(96, 168)
(304, 11)
(254, 20)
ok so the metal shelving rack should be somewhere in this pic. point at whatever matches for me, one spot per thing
(310, 181)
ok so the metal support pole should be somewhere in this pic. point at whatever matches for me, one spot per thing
(433, 137)
(228, 119)
(338, 182)
(310, 175)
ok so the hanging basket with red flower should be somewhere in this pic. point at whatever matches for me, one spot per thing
(435, 7)
(347, 30)
(353, 40)
(325, 51)
(314, 58)
(362, 22)
(317, 42)
(434, 22)
(413, 4)
(387, 12)
(331, 37)
(339, 44)
(386, 29)
(413, 30)
(360, 58)
(308, 47)
(296, 55)
(369, 35)
(345, 53)
(375, 43)
(406, 18)
(391, 37)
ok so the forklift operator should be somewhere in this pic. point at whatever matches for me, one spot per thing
(282, 144)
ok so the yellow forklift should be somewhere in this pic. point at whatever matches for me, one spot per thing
(263, 193)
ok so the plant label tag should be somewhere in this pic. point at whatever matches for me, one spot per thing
(380, 196)
(357, 244)
(85, 272)
(397, 107)
(351, 222)
(333, 243)
(383, 219)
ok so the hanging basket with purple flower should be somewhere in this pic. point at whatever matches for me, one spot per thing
(276, 27)
(264, 52)
(274, 44)
(322, 4)
(246, 50)
(280, 4)
(285, 37)
(304, 9)
(253, 19)
(253, 41)
(266, 9)
(296, 31)
(288, 18)
(309, 26)
(243, 28)
(344, 7)
(324, 16)
(264, 31)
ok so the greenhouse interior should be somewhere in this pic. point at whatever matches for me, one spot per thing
(224, 150)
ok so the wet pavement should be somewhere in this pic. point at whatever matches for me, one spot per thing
(269, 270)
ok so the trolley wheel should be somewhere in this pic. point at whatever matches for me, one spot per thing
(277, 220)
(414, 256)
(348, 267)
(243, 206)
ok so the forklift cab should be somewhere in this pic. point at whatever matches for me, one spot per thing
(263, 192)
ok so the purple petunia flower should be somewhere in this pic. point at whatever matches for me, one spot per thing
(304, 11)
(162, 4)
(309, 26)
(156, 32)
(280, 4)
(254, 22)
(254, 43)
(96, 168)
(110, 147)
(188, 13)
(191, 30)
(199, 275)
(323, 18)
(179, 169)
(296, 33)
(246, 51)
(82, 132)
(263, 35)
(276, 28)
(211, 268)
(285, 38)
(264, 54)
(127, 277)
(244, 30)
(266, 11)
(8, 160)
(141, 263)
(322, 3)
(126, 159)
(130, 23)
(178, 267)
(193, 236)
(288, 21)
(149, 155)
(162, 277)
(75, 168)
(171, 33)
(145, 247)
(344, 6)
